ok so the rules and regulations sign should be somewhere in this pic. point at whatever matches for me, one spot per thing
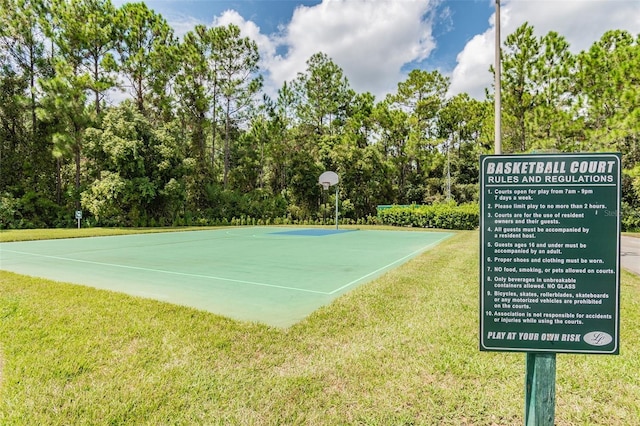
(550, 253)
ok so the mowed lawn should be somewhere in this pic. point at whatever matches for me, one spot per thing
(402, 349)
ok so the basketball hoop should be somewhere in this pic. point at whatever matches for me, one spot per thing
(328, 179)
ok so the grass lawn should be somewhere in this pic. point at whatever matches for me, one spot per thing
(400, 350)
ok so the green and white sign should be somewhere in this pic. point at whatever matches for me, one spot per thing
(550, 253)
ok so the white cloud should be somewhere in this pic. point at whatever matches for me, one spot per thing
(471, 75)
(183, 24)
(370, 40)
(267, 44)
(581, 22)
(249, 29)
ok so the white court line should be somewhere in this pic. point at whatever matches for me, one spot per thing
(170, 272)
(389, 265)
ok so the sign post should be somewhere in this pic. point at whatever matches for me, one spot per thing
(550, 262)
(540, 389)
(78, 217)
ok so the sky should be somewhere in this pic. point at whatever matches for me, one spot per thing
(378, 42)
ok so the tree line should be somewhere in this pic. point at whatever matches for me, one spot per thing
(198, 141)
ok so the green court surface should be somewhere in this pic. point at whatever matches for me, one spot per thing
(277, 276)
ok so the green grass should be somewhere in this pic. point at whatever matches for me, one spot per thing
(8, 235)
(400, 350)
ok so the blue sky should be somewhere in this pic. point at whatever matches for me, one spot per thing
(377, 42)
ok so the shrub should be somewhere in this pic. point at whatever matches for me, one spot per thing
(440, 215)
(31, 210)
(630, 220)
(8, 211)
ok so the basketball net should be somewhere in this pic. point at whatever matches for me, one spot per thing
(325, 185)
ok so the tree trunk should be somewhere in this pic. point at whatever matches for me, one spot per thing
(227, 143)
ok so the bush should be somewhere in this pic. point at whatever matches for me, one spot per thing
(9, 211)
(630, 220)
(32, 210)
(441, 215)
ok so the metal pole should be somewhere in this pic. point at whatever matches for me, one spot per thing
(336, 206)
(497, 95)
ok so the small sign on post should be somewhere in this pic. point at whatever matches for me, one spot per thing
(78, 217)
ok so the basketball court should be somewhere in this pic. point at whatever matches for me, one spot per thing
(272, 275)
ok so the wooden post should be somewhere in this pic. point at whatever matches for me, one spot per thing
(540, 389)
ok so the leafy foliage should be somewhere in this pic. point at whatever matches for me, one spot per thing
(198, 142)
(439, 215)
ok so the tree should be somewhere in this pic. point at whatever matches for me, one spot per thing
(80, 48)
(15, 149)
(219, 73)
(64, 107)
(364, 173)
(420, 97)
(608, 80)
(392, 128)
(195, 144)
(84, 35)
(192, 89)
(22, 39)
(324, 95)
(520, 56)
(236, 74)
(282, 119)
(147, 56)
(24, 147)
(144, 168)
(552, 123)
(461, 125)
